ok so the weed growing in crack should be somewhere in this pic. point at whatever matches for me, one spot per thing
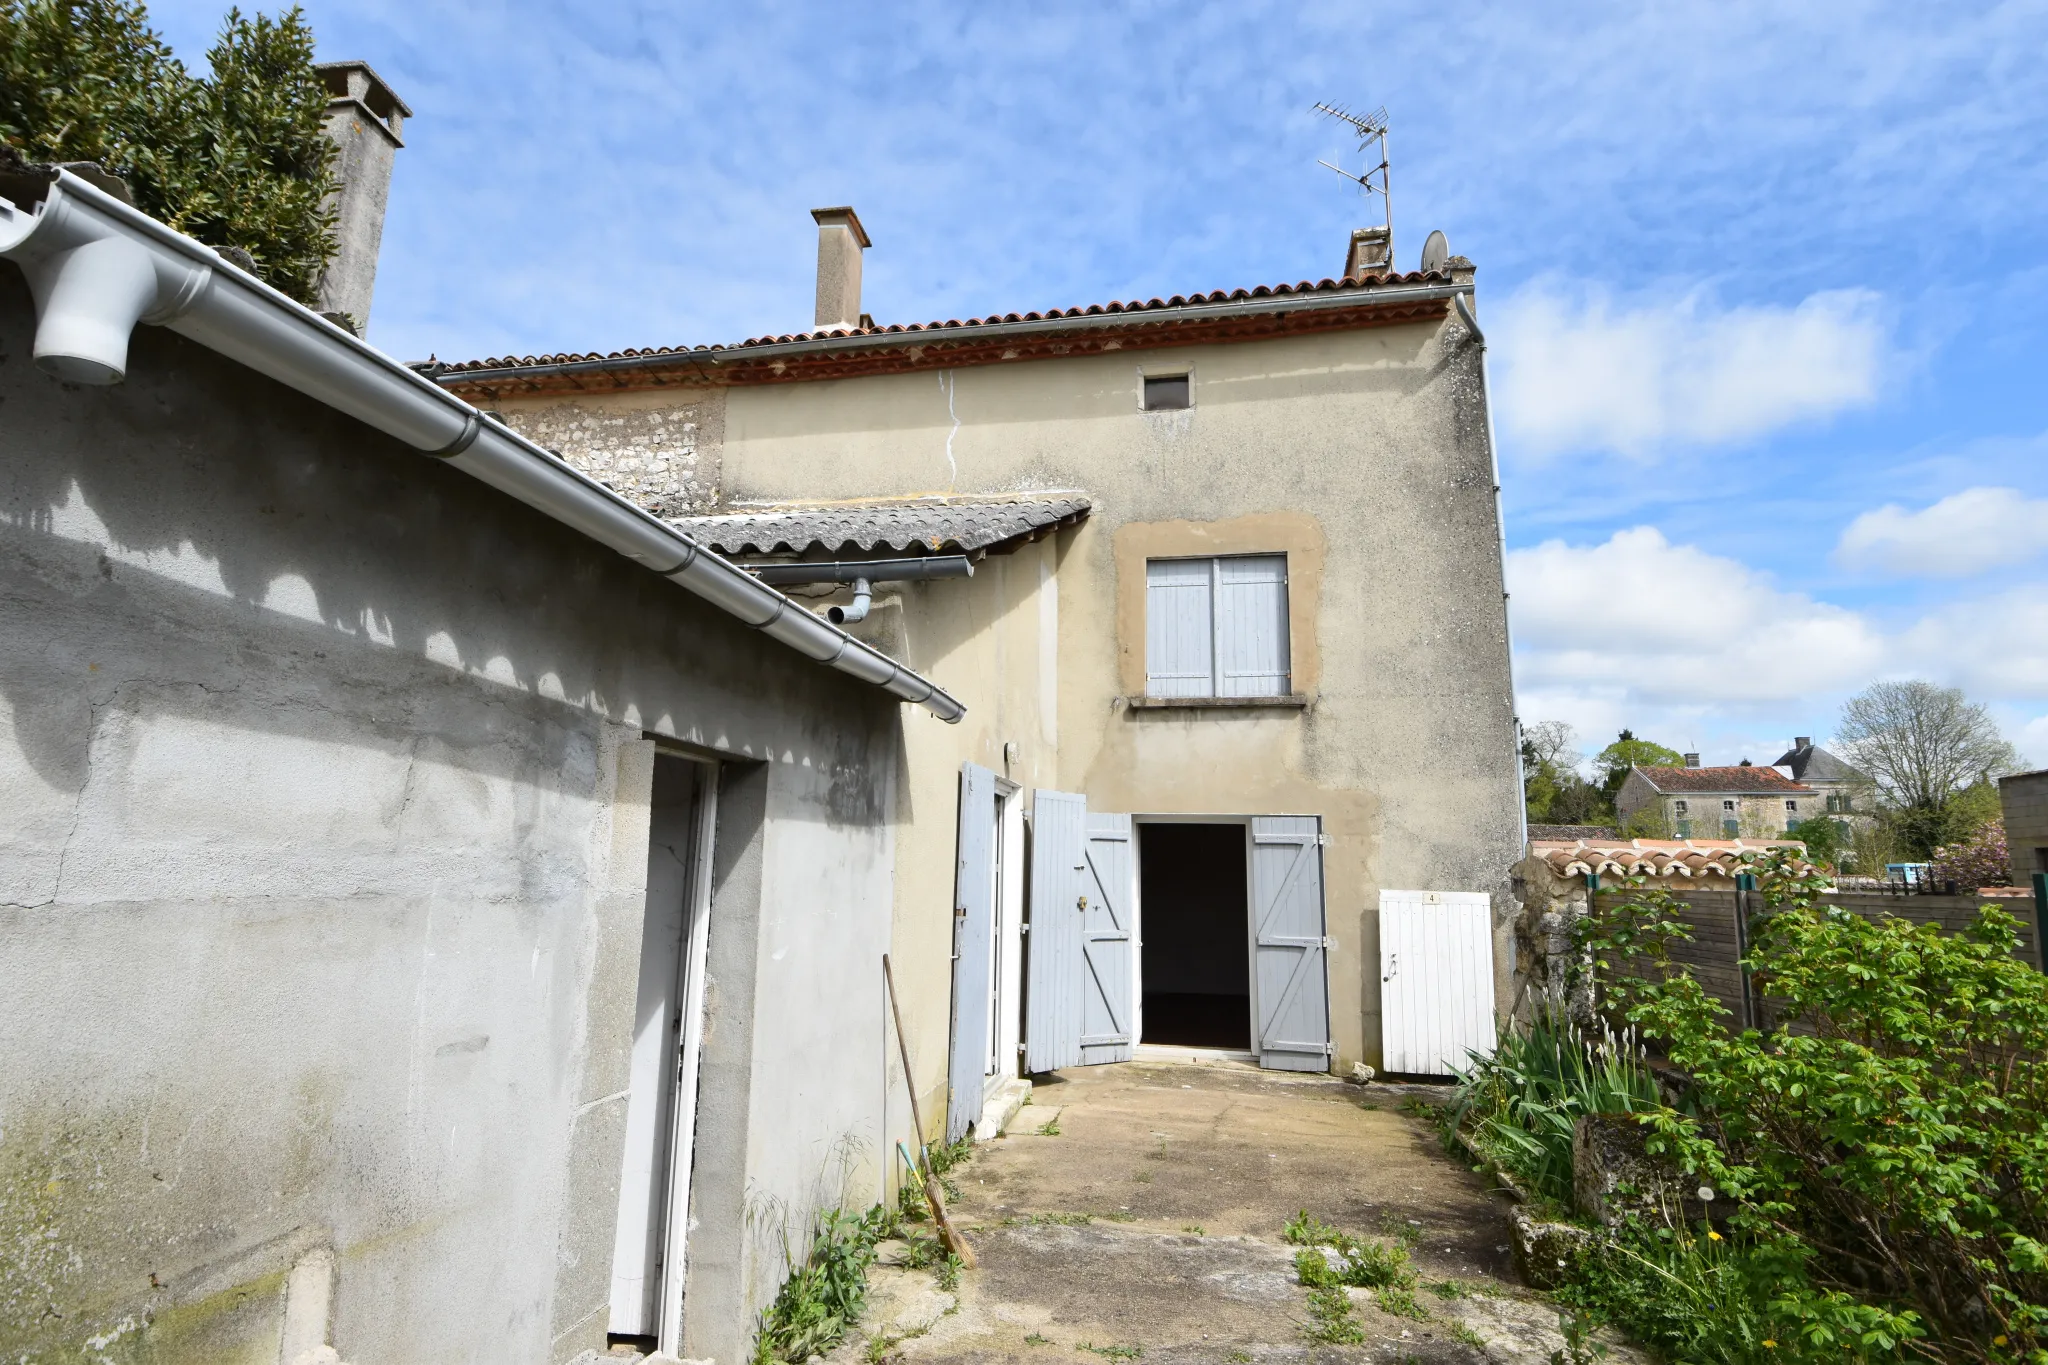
(1050, 1128)
(1193, 1230)
(1143, 1177)
(1329, 1308)
(1037, 1339)
(1111, 1352)
(1045, 1220)
(1449, 1289)
(1465, 1336)
(1399, 1300)
(1239, 1358)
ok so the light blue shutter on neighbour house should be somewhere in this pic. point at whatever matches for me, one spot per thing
(1052, 951)
(973, 928)
(1291, 977)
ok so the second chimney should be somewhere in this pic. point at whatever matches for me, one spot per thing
(1692, 760)
(841, 239)
(363, 120)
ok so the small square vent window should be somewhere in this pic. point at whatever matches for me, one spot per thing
(1165, 391)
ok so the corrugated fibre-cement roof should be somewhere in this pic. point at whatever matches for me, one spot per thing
(930, 525)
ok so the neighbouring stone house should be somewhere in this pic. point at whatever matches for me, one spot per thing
(1742, 802)
(1847, 795)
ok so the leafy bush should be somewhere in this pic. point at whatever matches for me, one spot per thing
(237, 159)
(1885, 1136)
(1518, 1107)
(823, 1297)
(1980, 860)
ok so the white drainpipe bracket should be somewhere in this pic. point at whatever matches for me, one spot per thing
(98, 266)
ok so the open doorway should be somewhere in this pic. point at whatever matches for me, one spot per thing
(1195, 965)
(661, 1104)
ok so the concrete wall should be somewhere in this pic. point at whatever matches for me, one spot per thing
(1363, 454)
(326, 771)
(2023, 798)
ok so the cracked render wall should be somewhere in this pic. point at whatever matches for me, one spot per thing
(321, 885)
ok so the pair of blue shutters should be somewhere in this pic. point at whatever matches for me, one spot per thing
(1080, 955)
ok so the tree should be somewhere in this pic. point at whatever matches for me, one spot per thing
(1825, 837)
(1628, 752)
(238, 159)
(1932, 753)
(1554, 791)
(1921, 743)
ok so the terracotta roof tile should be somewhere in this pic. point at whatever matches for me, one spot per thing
(1324, 286)
(1750, 779)
(936, 525)
(1687, 858)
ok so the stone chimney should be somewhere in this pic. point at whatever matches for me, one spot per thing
(1372, 253)
(1692, 760)
(841, 239)
(1802, 742)
(364, 119)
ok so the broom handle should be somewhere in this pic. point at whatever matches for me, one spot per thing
(903, 1050)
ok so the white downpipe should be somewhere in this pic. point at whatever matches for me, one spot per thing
(1465, 315)
(98, 266)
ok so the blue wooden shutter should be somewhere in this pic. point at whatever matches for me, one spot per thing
(1052, 953)
(974, 914)
(1179, 622)
(1251, 626)
(1109, 969)
(1290, 974)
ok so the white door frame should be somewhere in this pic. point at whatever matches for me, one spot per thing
(1006, 975)
(690, 1051)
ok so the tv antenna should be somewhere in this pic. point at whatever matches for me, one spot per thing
(1372, 142)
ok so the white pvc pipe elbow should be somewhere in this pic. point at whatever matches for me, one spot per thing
(93, 281)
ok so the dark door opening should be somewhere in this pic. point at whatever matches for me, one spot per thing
(1196, 963)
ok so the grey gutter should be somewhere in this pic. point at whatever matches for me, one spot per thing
(916, 569)
(716, 355)
(98, 266)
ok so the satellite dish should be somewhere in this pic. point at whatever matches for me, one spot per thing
(1436, 252)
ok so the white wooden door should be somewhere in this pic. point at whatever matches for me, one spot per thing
(973, 947)
(1052, 948)
(650, 1234)
(1290, 977)
(1436, 980)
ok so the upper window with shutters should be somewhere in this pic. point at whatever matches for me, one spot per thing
(1217, 627)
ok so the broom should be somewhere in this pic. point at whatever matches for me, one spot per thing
(948, 1235)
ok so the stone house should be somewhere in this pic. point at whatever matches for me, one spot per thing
(494, 923)
(1742, 802)
(1234, 636)
(1847, 795)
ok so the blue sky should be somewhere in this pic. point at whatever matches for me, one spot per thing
(1767, 285)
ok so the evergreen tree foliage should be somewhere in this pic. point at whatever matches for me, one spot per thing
(236, 158)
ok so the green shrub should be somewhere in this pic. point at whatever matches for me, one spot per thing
(1518, 1107)
(237, 158)
(1884, 1137)
(824, 1296)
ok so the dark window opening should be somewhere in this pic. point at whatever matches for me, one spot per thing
(1165, 391)
(1196, 955)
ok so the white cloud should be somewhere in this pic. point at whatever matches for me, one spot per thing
(1701, 651)
(1583, 372)
(1965, 533)
(1641, 620)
